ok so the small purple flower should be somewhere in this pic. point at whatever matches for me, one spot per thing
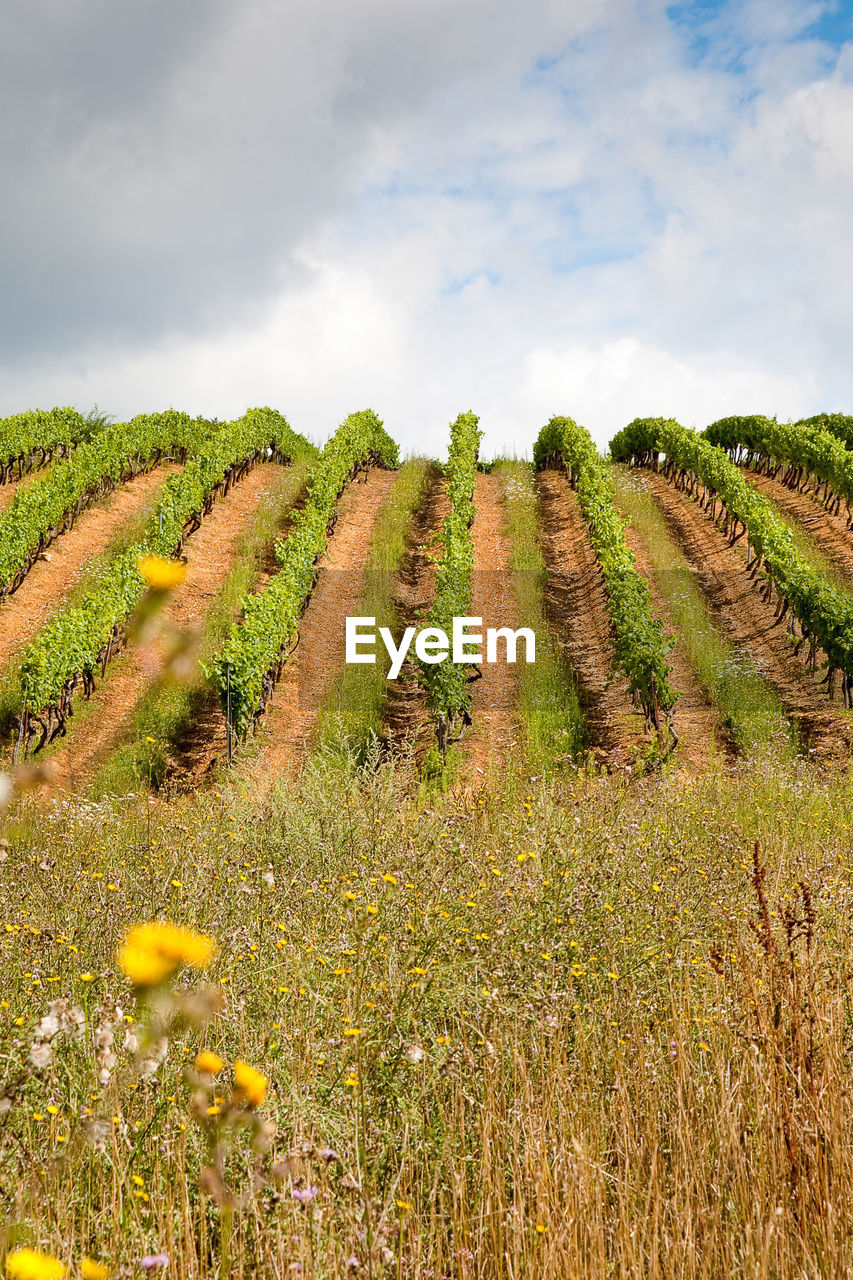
(152, 1260)
(305, 1194)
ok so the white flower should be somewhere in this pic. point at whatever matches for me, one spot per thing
(41, 1054)
(47, 1027)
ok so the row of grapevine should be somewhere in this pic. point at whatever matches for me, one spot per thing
(640, 644)
(802, 451)
(67, 652)
(253, 654)
(32, 439)
(448, 684)
(840, 424)
(825, 615)
(49, 507)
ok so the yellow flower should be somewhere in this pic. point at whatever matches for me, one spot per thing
(209, 1062)
(152, 952)
(27, 1264)
(352, 1031)
(144, 968)
(160, 574)
(92, 1270)
(249, 1083)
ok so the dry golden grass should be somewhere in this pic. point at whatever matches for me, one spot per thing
(580, 1029)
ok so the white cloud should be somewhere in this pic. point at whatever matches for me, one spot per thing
(443, 224)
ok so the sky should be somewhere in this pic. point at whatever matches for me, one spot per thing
(606, 209)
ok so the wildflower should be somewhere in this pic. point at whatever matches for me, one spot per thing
(153, 952)
(154, 1055)
(304, 1194)
(389, 878)
(152, 1260)
(249, 1084)
(41, 1054)
(352, 1031)
(92, 1270)
(405, 1206)
(28, 1264)
(210, 1063)
(160, 574)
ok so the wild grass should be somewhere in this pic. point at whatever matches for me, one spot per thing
(592, 1032)
(549, 708)
(748, 706)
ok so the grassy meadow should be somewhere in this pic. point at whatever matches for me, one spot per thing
(576, 1027)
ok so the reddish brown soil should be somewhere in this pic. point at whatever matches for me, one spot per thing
(51, 578)
(407, 718)
(11, 487)
(749, 622)
(494, 731)
(209, 553)
(308, 677)
(695, 719)
(577, 608)
(829, 532)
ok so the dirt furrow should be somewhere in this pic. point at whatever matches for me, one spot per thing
(286, 728)
(577, 607)
(407, 718)
(696, 721)
(51, 579)
(829, 532)
(209, 551)
(494, 731)
(749, 622)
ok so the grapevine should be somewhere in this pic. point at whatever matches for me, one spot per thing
(80, 640)
(49, 507)
(253, 654)
(800, 451)
(448, 683)
(824, 614)
(33, 439)
(640, 645)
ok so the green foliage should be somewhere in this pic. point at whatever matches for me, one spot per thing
(641, 647)
(38, 513)
(447, 683)
(806, 449)
(254, 650)
(824, 613)
(840, 424)
(30, 439)
(72, 645)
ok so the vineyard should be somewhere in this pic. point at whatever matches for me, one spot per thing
(501, 967)
(755, 511)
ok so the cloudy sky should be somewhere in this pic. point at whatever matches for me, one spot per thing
(603, 208)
